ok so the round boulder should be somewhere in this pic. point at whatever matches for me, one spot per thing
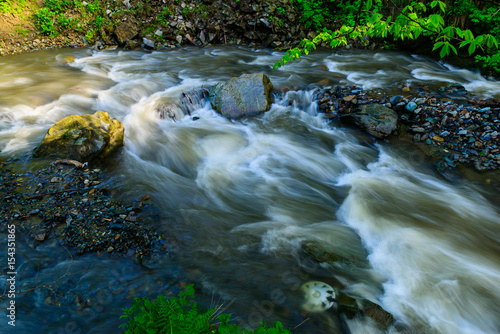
(82, 137)
(246, 95)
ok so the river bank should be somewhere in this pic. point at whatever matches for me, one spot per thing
(76, 206)
(172, 24)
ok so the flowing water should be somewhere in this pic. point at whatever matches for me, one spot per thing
(241, 197)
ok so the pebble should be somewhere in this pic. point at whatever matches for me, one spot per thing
(420, 101)
(411, 106)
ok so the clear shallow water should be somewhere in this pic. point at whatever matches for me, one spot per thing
(242, 197)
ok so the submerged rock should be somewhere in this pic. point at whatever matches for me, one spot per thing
(246, 95)
(376, 119)
(82, 137)
(377, 313)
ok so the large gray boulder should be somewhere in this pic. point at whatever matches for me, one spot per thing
(246, 95)
(82, 137)
(376, 119)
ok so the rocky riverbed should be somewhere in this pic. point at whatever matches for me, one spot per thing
(75, 205)
(464, 129)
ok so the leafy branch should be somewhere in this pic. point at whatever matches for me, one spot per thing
(410, 23)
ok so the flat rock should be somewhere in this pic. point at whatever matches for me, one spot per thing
(376, 119)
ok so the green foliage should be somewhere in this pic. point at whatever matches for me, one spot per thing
(490, 63)
(414, 21)
(314, 12)
(45, 21)
(12, 6)
(22, 31)
(58, 6)
(94, 7)
(165, 15)
(90, 36)
(57, 15)
(181, 315)
(66, 22)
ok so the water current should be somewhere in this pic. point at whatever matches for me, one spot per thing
(242, 197)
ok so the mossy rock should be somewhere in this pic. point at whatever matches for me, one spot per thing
(82, 137)
(321, 255)
(377, 313)
(376, 119)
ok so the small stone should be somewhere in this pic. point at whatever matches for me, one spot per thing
(159, 32)
(178, 38)
(484, 110)
(41, 236)
(462, 132)
(149, 43)
(411, 106)
(444, 133)
(110, 249)
(349, 98)
(395, 99)
(55, 180)
(437, 138)
(420, 101)
(418, 129)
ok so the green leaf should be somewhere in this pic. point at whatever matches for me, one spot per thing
(491, 41)
(442, 6)
(445, 50)
(495, 58)
(369, 4)
(437, 45)
(472, 47)
(453, 49)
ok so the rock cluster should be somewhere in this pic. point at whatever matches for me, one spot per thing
(73, 205)
(171, 24)
(469, 131)
(465, 129)
(27, 44)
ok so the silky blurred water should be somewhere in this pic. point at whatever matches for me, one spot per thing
(243, 196)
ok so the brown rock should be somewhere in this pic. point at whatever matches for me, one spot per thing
(377, 313)
(125, 31)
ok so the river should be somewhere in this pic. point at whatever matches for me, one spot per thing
(242, 197)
